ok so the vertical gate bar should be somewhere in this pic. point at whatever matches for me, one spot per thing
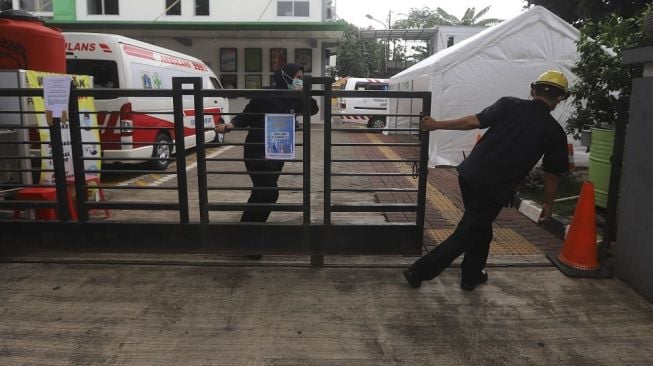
(200, 152)
(306, 156)
(78, 156)
(423, 170)
(63, 210)
(180, 150)
(316, 260)
(327, 154)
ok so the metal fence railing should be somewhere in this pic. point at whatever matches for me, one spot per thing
(190, 212)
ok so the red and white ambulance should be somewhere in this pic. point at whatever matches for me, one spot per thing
(119, 62)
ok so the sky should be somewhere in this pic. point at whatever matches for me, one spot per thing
(353, 11)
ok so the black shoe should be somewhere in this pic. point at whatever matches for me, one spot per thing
(469, 286)
(255, 257)
(412, 279)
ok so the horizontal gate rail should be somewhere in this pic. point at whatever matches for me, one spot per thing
(351, 174)
(226, 238)
(135, 205)
(390, 207)
(254, 188)
(283, 207)
(414, 190)
(152, 188)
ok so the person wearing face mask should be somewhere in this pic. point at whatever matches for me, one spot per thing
(289, 76)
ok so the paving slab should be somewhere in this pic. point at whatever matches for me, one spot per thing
(117, 314)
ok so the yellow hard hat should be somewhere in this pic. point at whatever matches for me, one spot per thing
(554, 78)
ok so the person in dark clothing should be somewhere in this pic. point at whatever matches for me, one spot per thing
(288, 76)
(520, 132)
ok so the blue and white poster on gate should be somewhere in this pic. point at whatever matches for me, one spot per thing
(280, 136)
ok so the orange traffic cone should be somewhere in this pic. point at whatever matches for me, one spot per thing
(578, 257)
(579, 249)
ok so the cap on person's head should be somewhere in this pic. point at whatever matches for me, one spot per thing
(552, 78)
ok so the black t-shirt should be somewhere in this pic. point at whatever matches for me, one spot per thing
(520, 133)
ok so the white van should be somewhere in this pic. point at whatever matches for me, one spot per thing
(369, 111)
(119, 62)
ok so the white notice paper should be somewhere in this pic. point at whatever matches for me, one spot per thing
(56, 92)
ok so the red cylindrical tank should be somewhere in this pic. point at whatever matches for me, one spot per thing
(25, 43)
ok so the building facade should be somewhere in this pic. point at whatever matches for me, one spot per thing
(40, 8)
(244, 41)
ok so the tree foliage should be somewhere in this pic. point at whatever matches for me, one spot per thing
(602, 90)
(470, 18)
(419, 19)
(429, 18)
(608, 27)
(578, 12)
(362, 57)
(359, 57)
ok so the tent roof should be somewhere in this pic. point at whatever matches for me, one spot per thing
(449, 57)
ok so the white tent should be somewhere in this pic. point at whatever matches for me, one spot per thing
(500, 61)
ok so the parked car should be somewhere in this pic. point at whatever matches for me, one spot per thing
(369, 111)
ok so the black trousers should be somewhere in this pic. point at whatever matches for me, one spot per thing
(269, 181)
(471, 237)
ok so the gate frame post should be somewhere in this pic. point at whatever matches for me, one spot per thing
(78, 155)
(423, 171)
(180, 147)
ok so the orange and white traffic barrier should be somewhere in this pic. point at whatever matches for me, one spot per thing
(355, 118)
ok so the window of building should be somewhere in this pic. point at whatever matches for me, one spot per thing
(292, 8)
(103, 7)
(301, 8)
(36, 5)
(201, 7)
(284, 8)
(173, 7)
(450, 41)
(5, 5)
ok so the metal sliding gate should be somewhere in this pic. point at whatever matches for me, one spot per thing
(199, 226)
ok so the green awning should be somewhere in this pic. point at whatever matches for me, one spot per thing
(317, 30)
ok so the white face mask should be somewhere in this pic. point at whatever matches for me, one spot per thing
(297, 84)
(294, 84)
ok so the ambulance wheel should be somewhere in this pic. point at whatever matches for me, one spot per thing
(219, 137)
(376, 122)
(162, 151)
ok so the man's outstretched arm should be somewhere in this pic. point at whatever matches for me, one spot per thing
(464, 123)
